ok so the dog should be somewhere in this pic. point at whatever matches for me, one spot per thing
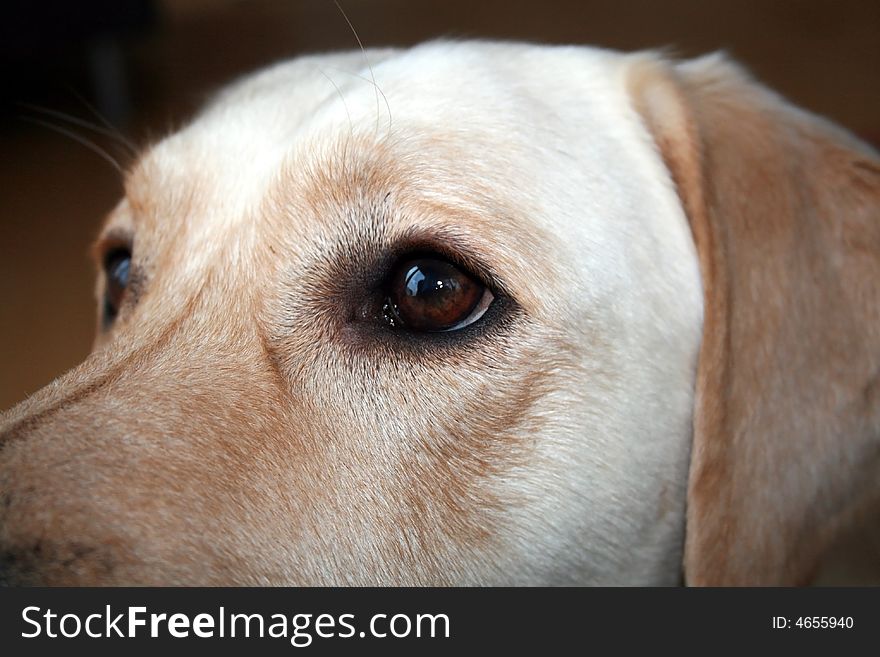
(471, 313)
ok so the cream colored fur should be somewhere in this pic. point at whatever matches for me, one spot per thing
(240, 423)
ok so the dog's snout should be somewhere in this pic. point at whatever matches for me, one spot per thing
(6, 576)
(92, 493)
(38, 563)
(6, 561)
(48, 529)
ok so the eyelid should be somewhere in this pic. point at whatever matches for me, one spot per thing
(114, 253)
(457, 252)
(111, 242)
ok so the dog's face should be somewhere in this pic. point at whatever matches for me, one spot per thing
(432, 320)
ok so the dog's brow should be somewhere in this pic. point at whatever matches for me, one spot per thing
(116, 236)
(153, 190)
(113, 237)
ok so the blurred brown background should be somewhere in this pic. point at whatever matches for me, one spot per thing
(147, 64)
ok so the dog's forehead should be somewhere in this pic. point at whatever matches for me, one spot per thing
(509, 106)
(535, 152)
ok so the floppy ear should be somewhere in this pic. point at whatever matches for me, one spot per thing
(785, 213)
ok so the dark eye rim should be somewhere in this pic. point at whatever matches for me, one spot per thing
(113, 253)
(495, 326)
(459, 250)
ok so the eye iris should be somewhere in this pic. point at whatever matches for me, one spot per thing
(118, 268)
(433, 295)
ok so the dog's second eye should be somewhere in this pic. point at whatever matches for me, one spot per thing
(117, 267)
(432, 295)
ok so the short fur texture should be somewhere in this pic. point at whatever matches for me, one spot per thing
(247, 420)
(785, 210)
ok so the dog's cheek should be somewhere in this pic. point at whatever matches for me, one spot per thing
(419, 452)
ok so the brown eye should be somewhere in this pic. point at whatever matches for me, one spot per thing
(430, 294)
(117, 269)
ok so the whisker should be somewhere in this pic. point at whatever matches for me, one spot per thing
(382, 93)
(369, 66)
(82, 123)
(341, 97)
(94, 110)
(79, 139)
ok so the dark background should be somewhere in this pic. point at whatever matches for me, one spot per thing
(146, 65)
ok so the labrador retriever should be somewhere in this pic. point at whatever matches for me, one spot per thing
(468, 313)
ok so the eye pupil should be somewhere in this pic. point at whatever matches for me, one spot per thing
(117, 268)
(427, 281)
(119, 272)
(429, 294)
(415, 279)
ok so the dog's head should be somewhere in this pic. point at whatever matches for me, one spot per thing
(472, 313)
